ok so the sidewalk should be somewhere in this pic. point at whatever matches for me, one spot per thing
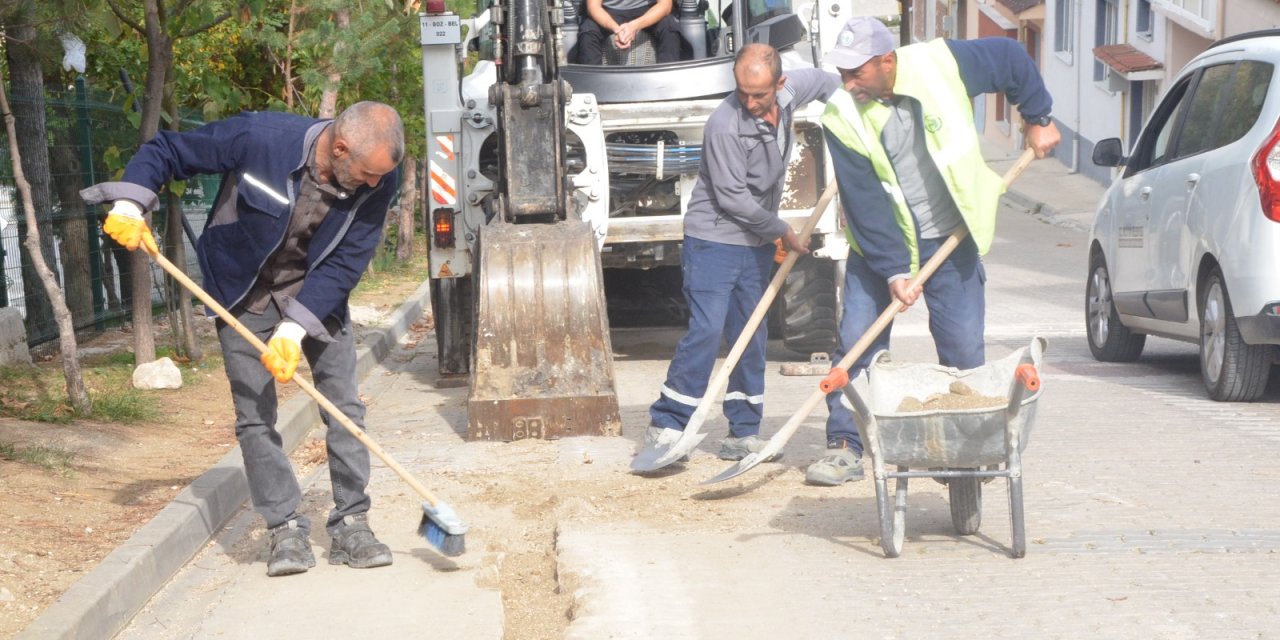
(1047, 189)
(105, 599)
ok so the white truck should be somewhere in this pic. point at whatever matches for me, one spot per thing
(543, 174)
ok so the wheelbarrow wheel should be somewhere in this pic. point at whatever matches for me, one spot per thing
(966, 504)
(893, 515)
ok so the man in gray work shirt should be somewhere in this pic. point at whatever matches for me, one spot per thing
(730, 229)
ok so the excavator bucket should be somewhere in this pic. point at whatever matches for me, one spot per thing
(542, 366)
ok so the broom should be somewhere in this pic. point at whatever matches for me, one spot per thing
(440, 524)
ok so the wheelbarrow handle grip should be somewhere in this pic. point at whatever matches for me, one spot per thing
(1027, 375)
(836, 379)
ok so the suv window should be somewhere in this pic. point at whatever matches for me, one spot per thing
(1245, 100)
(1153, 147)
(1225, 106)
(1215, 107)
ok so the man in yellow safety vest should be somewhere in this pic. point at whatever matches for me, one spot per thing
(907, 160)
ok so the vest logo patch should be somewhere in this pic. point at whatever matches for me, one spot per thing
(932, 123)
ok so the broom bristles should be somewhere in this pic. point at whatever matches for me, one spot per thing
(442, 527)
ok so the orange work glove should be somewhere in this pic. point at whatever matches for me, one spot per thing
(780, 255)
(126, 225)
(284, 350)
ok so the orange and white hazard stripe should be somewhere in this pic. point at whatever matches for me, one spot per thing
(444, 188)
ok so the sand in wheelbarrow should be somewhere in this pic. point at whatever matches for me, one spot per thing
(959, 396)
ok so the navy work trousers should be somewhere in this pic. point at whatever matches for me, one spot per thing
(723, 284)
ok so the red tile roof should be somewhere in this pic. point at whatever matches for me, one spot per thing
(1125, 59)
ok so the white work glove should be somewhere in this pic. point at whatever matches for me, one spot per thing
(126, 225)
(284, 350)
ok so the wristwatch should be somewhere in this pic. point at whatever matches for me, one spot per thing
(1042, 121)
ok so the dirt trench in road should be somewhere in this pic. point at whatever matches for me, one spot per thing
(517, 497)
(516, 515)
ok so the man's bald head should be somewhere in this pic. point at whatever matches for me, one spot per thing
(757, 57)
(757, 71)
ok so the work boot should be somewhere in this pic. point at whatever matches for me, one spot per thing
(840, 465)
(290, 550)
(355, 546)
(732, 448)
(664, 438)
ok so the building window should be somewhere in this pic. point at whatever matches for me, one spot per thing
(1063, 28)
(1143, 22)
(1202, 9)
(1105, 33)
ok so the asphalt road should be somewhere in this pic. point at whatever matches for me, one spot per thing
(1151, 512)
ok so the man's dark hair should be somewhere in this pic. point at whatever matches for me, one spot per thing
(761, 54)
(366, 125)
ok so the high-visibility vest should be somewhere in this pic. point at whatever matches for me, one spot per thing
(927, 72)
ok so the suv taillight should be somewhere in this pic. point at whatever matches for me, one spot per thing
(1266, 172)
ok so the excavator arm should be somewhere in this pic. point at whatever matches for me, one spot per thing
(541, 365)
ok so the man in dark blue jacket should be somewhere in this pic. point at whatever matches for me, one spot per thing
(295, 223)
(907, 158)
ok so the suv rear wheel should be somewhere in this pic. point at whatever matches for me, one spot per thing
(1233, 371)
(1109, 340)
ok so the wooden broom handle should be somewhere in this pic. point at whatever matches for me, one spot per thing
(303, 383)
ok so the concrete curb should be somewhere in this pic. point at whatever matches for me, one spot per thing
(1042, 210)
(101, 603)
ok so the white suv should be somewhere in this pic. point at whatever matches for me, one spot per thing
(1186, 241)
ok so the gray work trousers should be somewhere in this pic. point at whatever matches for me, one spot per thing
(272, 485)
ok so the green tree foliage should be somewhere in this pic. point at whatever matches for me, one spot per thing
(270, 55)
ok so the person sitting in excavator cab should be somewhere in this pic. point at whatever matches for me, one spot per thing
(624, 19)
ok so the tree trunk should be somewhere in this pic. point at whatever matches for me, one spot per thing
(286, 66)
(333, 81)
(177, 254)
(74, 228)
(177, 249)
(408, 206)
(27, 80)
(159, 60)
(76, 392)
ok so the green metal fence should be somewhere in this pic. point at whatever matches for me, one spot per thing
(88, 136)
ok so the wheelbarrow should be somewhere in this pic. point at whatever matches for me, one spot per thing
(960, 427)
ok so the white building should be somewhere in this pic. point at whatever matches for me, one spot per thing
(1107, 62)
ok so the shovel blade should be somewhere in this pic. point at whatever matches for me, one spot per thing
(656, 457)
(740, 467)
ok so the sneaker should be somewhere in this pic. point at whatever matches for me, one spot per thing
(664, 438)
(290, 550)
(838, 467)
(732, 448)
(355, 546)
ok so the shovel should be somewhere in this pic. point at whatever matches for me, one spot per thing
(657, 457)
(841, 370)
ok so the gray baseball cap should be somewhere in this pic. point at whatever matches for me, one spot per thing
(861, 39)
